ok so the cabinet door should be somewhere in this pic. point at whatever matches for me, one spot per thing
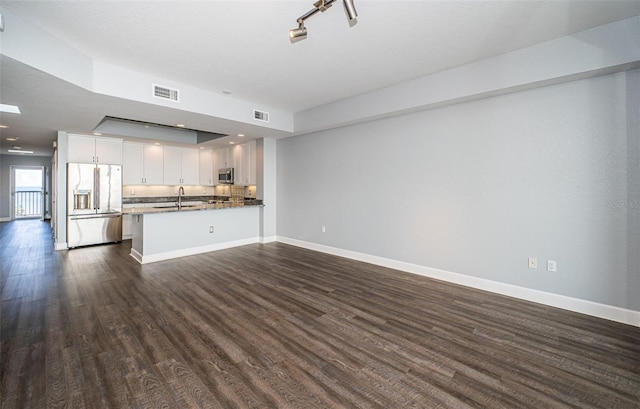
(132, 159)
(126, 226)
(239, 153)
(190, 168)
(81, 149)
(223, 158)
(153, 165)
(172, 165)
(108, 151)
(251, 163)
(206, 167)
(244, 157)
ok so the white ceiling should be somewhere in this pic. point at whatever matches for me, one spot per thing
(243, 46)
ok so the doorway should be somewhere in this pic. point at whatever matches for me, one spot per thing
(28, 183)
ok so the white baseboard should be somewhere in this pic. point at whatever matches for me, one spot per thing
(554, 300)
(5, 219)
(269, 239)
(61, 245)
(152, 258)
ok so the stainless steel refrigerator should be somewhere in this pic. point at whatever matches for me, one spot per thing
(94, 204)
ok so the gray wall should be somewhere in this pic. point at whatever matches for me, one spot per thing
(6, 161)
(476, 188)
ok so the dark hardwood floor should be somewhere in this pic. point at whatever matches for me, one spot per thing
(275, 326)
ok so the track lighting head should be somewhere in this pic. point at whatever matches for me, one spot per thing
(300, 33)
(297, 34)
(352, 14)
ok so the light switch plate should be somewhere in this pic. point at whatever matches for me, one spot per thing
(551, 265)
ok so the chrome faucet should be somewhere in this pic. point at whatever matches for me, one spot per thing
(180, 194)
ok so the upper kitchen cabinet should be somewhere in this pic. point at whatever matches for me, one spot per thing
(206, 168)
(89, 149)
(142, 164)
(181, 166)
(245, 163)
(222, 158)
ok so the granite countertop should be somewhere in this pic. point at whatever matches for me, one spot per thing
(172, 199)
(162, 208)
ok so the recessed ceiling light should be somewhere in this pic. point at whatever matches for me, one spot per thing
(3, 126)
(10, 109)
(18, 151)
(157, 143)
(97, 133)
(180, 125)
(202, 147)
(232, 143)
(241, 135)
(12, 139)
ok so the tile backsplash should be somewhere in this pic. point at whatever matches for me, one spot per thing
(162, 191)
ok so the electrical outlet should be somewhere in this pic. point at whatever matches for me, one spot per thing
(551, 265)
(210, 229)
(533, 262)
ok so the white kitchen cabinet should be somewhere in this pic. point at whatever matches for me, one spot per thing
(142, 164)
(132, 172)
(181, 166)
(245, 164)
(152, 164)
(206, 168)
(89, 149)
(126, 226)
(222, 158)
(190, 166)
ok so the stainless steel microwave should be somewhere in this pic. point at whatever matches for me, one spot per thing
(225, 176)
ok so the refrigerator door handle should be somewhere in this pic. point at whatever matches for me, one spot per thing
(96, 188)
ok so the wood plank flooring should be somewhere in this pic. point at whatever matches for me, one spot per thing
(274, 326)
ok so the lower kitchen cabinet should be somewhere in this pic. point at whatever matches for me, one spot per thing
(126, 226)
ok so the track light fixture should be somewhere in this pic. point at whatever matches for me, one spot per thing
(300, 33)
(350, 9)
(297, 34)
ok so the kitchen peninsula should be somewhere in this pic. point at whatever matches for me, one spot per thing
(166, 232)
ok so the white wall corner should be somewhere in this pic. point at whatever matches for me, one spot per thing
(270, 239)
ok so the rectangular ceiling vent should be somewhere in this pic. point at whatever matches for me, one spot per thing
(163, 92)
(260, 115)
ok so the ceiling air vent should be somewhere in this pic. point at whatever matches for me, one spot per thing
(171, 94)
(260, 115)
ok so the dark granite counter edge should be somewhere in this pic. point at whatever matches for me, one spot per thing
(173, 199)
